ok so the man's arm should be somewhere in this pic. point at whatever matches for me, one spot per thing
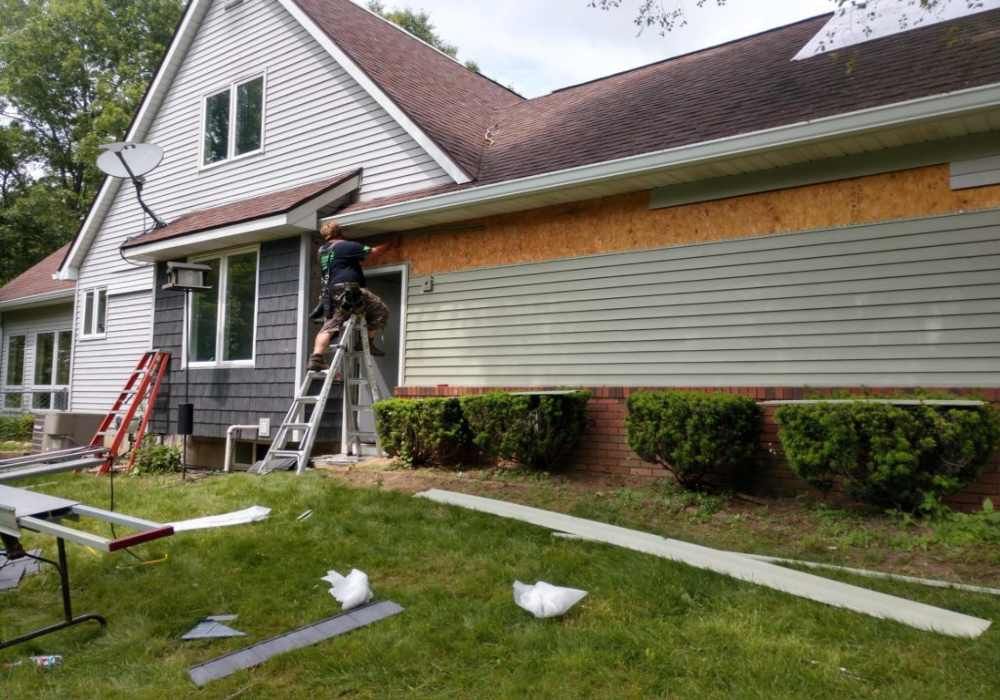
(378, 251)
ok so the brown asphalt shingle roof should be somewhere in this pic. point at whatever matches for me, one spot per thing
(449, 102)
(244, 210)
(37, 279)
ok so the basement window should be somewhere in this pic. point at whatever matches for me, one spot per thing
(222, 320)
(233, 122)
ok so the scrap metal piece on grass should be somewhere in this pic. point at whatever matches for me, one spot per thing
(252, 514)
(739, 566)
(223, 666)
(13, 570)
(212, 628)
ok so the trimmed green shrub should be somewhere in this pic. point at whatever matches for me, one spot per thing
(16, 428)
(904, 457)
(422, 431)
(537, 430)
(153, 457)
(693, 435)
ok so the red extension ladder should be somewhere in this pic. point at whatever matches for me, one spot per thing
(137, 398)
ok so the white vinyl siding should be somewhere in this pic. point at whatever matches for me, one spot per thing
(101, 366)
(56, 321)
(318, 122)
(899, 304)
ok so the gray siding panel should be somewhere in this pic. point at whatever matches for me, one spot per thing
(901, 303)
(975, 173)
(230, 396)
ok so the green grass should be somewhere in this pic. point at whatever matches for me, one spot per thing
(649, 628)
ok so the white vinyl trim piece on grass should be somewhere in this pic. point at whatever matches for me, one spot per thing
(841, 595)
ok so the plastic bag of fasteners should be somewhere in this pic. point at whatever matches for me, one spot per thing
(351, 590)
(545, 600)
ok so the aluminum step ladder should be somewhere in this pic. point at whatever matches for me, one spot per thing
(302, 421)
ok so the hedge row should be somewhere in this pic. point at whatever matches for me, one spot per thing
(17, 427)
(532, 429)
(905, 457)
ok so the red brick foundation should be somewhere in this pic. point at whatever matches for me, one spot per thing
(605, 450)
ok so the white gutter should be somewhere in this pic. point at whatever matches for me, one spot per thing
(38, 299)
(948, 104)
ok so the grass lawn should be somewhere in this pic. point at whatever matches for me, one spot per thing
(649, 628)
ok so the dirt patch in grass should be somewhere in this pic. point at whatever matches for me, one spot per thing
(799, 528)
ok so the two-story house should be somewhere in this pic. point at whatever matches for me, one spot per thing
(734, 218)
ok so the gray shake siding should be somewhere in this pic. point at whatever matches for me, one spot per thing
(230, 396)
(894, 304)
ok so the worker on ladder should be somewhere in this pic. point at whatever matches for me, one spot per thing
(345, 291)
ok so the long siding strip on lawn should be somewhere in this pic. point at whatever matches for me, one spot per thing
(840, 595)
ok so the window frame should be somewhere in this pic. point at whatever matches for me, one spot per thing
(21, 388)
(231, 88)
(92, 333)
(54, 388)
(220, 314)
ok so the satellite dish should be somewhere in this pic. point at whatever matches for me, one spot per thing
(127, 160)
(132, 160)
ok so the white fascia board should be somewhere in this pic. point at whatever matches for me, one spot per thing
(384, 101)
(801, 133)
(216, 238)
(45, 299)
(69, 270)
(304, 215)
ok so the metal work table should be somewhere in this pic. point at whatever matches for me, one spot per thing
(21, 509)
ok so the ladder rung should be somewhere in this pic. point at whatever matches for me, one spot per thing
(295, 426)
(306, 399)
(285, 453)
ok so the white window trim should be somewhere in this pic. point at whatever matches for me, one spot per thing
(21, 388)
(220, 314)
(31, 389)
(85, 333)
(231, 88)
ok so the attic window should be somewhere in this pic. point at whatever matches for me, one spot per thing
(233, 123)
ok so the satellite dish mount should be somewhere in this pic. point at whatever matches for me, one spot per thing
(133, 161)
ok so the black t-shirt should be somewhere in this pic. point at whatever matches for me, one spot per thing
(340, 262)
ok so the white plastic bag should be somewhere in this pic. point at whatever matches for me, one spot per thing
(545, 600)
(351, 590)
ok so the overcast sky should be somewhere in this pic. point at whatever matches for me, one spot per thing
(537, 46)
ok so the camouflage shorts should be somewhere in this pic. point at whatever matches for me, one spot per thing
(375, 311)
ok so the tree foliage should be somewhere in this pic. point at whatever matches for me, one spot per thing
(72, 73)
(418, 23)
(665, 16)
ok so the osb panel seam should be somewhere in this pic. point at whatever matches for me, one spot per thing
(625, 222)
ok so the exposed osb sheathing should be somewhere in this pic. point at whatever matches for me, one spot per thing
(626, 223)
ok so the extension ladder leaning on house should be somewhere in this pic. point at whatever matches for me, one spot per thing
(353, 361)
(134, 403)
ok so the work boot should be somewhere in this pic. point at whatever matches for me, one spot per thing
(317, 363)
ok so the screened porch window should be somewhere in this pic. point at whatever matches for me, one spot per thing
(234, 121)
(51, 385)
(13, 390)
(222, 320)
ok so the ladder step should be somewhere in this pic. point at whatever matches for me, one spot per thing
(295, 426)
(285, 453)
(306, 399)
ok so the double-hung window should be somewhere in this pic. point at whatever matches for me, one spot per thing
(51, 385)
(233, 122)
(13, 379)
(222, 320)
(95, 313)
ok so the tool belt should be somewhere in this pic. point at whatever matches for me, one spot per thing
(345, 296)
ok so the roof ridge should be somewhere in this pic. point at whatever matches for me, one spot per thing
(413, 36)
(686, 54)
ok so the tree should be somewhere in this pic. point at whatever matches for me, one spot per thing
(665, 17)
(72, 73)
(418, 23)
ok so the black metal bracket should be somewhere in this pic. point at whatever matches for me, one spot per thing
(68, 620)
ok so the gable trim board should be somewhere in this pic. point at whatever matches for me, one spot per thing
(45, 299)
(460, 204)
(384, 101)
(152, 101)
